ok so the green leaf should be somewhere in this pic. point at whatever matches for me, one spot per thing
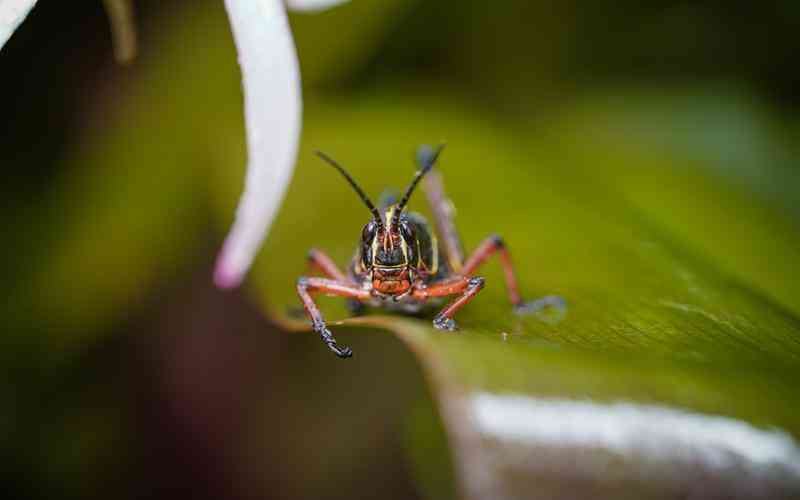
(680, 300)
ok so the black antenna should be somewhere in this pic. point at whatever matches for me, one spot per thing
(426, 156)
(352, 182)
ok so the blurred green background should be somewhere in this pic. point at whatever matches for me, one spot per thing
(626, 151)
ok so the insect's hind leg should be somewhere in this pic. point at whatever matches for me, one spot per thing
(319, 260)
(494, 244)
(442, 211)
(491, 245)
(306, 286)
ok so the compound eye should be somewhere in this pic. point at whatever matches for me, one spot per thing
(369, 232)
(367, 235)
(407, 232)
(366, 256)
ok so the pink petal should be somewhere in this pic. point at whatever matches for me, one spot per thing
(12, 13)
(273, 108)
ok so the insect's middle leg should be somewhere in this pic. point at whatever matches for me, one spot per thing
(490, 246)
(467, 287)
(317, 259)
(307, 286)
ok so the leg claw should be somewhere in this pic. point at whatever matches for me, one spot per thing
(444, 323)
(342, 352)
(327, 337)
(553, 304)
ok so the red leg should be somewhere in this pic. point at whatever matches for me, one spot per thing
(320, 260)
(467, 287)
(442, 289)
(485, 250)
(307, 286)
(317, 259)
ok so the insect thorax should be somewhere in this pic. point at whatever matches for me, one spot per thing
(426, 243)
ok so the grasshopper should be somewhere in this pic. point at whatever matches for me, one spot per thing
(400, 262)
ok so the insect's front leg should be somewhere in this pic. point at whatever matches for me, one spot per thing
(319, 260)
(307, 286)
(467, 287)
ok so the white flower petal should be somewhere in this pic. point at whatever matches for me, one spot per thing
(12, 13)
(273, 108)
(311, 5)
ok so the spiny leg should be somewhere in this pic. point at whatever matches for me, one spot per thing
(491, 245)
(442, 211)
(317, 259)
(307, 286)
(467, 287)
